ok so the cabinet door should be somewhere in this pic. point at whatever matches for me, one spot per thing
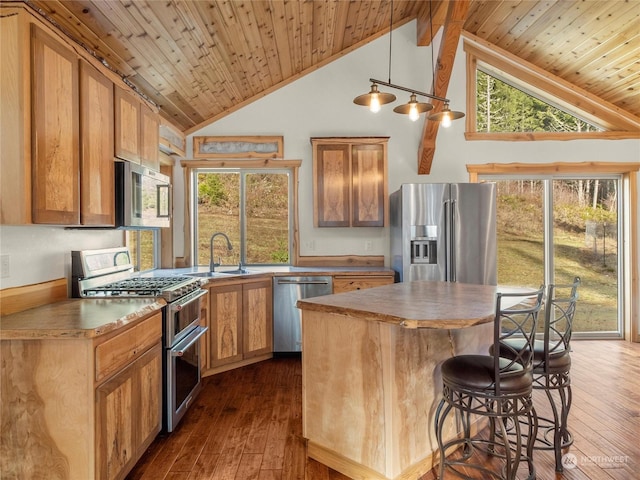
(55, 141)
(332, 185)
(257, 327)
(225, 316)
(368, 183)
(127, 126)
(148, 392)
(129, 414)
(149, 138)
(96, 158)
(116, 444)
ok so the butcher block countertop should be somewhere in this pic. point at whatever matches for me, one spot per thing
(76, 318)
(420, 304)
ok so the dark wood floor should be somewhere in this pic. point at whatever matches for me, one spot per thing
(246, 424)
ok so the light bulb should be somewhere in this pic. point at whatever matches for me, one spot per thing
(374, 106)
(446, 119)
(413, 112)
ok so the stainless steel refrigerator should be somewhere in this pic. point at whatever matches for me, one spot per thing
(444, 231)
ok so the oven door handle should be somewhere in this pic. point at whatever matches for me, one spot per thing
(180, 349)
(179, 304)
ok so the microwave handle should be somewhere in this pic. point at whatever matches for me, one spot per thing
(163, 209)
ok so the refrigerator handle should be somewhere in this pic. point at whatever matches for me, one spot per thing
(452, 237)
(447, 243)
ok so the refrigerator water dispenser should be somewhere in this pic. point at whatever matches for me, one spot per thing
(424, 251)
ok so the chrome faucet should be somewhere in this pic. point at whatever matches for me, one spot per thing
(212, 264)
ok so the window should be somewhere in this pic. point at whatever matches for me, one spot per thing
(503, 107)
(143, 247)
(553, 229)
(253, 207)
(561, 221)
(542, 97)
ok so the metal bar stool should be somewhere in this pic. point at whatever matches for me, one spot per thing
(551, 367)
(496, 387)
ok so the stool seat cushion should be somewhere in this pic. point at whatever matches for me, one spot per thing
(476, 372)
(559, 359)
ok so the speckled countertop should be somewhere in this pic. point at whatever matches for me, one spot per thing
(76, 318)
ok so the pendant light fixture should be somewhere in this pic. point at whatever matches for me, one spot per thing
(374, 99)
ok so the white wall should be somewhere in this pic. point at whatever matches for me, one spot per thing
(39, 254)
(321, 104)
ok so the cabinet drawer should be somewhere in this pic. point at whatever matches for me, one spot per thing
(348, 283)
(119, 351)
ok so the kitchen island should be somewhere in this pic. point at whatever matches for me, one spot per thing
(371, 371)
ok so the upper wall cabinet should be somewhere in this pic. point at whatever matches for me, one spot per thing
(58, 115)
(350, 182)
(137, 130)
(56, 123)
(96, 144)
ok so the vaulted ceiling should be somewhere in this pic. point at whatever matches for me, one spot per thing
(200, 60)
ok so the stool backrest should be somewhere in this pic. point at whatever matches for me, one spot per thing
(516, 321)
(560, 309)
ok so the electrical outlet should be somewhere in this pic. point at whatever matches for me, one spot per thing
(368, 245)
(5, 266)
(311, 245)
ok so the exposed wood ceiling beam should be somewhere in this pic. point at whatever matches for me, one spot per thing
(456, 15)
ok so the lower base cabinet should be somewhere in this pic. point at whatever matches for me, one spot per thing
(81, 408)
(240, 324)
(349, 283)
(129, 414)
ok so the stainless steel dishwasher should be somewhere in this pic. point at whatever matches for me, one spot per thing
(287, 318)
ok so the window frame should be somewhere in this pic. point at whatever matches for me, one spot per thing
(628, 251)
(264, 165)
(618, 124)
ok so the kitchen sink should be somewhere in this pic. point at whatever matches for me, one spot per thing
(221, 273)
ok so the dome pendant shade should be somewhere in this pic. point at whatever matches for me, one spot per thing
(374, 98)
(445, 116)
(413, 108)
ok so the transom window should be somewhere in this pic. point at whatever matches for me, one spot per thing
(504, 107)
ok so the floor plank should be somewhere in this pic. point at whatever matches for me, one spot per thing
(246, 424)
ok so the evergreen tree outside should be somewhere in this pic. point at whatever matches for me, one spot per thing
(504, 108)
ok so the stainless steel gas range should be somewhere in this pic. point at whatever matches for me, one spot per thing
(109, 273)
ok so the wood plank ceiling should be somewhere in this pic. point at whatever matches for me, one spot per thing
(200, 60)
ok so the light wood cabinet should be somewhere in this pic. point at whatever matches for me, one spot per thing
(80, 427)
(348, 283)
(97, 204)
(149, 138)
(350, 182)
(225, 315)
(127, 129)
(257, 318)
(137, 134)
(240, 323)
(129, 403)
(57, 110)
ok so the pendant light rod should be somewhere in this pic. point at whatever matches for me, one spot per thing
(410, 90)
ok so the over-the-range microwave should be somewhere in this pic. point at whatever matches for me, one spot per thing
(143, 197)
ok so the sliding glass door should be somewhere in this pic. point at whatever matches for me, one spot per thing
(552, 229)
